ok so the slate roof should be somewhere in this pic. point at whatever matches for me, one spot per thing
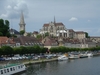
(14, 31)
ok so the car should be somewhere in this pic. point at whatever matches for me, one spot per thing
(2, 59)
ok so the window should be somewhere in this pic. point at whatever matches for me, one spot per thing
(1, 71)
(19, 67)
(10, 69)
(7, 70)
(14, 68)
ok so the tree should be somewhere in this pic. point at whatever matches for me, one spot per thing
(86, 35)
(29, 34)
(22, 32)
(7, 50)
(4, 28)
(38, 36)
(46, 34)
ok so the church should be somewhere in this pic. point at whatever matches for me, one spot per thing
(54, 29)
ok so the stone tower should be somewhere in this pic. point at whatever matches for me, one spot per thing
(22, 23)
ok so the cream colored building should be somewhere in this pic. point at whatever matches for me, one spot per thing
(80, 35)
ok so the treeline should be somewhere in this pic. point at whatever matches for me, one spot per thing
(7, 50)
(66, 49)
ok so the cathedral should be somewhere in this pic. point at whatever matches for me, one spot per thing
(54, 29)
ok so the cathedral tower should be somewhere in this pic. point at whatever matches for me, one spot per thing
(22, 23)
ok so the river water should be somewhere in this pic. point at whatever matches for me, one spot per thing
(83, 66)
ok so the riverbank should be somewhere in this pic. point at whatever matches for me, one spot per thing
(38, 61)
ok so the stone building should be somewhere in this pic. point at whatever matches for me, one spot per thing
(80, 35)
(54, 29)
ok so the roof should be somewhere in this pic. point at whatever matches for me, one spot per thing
(50, 42)
(13, 31)
(71, 30)
(57, 24)
(5, 40)
(26, 39)
(80, 32)
(35, 32)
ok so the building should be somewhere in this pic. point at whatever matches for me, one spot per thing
(80, 35)
(49, 42)
(26, 41)
(54, 29)
(5, 41)
(14, 32)
(71, 33)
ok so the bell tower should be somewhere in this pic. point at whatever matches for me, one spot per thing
(22, 23)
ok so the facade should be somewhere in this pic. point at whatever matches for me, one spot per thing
(71, 33)
(54, 29)
(80, 35)
(22, 23)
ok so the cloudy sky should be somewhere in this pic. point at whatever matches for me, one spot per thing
(79, 15)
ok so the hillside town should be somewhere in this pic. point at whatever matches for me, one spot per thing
(52, 34)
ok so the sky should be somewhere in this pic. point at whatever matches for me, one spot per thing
(79, 15)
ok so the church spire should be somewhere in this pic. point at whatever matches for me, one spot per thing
(22, 23)
(54, 20)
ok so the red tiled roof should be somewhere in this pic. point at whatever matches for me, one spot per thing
(5, 40)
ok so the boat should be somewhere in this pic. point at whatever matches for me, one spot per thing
(62, 57)
(89, 54)
(10, 69)
(84, 55)
(73, 56)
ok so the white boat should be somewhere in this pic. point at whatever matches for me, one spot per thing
(73, 56)
(62, 57)
(12, 69)
(89, 54)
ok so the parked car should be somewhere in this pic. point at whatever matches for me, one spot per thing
(2, 59)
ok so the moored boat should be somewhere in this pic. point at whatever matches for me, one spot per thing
(63, 57)
(73, 56)
(10, 69)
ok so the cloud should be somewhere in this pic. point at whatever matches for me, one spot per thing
(14, 8)
(73, 19)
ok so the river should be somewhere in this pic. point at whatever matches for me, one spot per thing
(83, 66)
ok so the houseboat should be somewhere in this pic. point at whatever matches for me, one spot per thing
(10, 69)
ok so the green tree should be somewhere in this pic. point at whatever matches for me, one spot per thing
(38, 36)
(86, 35)
(46, 34)
(22, 32)
(7, 50)
(4, 28)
